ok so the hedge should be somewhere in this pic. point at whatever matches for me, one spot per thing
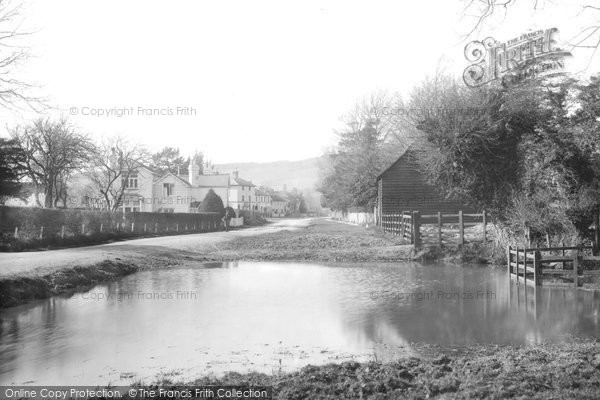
(42, 226)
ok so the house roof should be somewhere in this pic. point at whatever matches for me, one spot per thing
(287, 195)
(259, 192)
(147, 168)
(217, 180)
(174, 175)
(240, 182)
(276, 197)
(202, 180)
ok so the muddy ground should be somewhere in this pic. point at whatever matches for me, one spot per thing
(549, 371)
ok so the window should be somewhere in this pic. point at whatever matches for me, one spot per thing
(129, 180)
(249, 198)
(168, 189)
(242, 197)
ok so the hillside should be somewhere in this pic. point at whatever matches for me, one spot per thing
(302, 174)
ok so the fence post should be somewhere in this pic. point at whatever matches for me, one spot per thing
(416, 229)
(439, 215)
(144, 227)
(41, 232)
(101, 226)
(508, 261)
(62, 232)
(156, 227)
(517, 263)
(536, 267)
(83, 229)
(177, 227)
(186, 227)
(575, 269)
(132, 226)
(484, 227)
(461, 227)
(16, 232)
(596, 236)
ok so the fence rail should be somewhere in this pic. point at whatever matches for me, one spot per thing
(540, 266)
(439, 228)
(400, 224)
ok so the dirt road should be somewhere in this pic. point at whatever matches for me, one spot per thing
(147, 250)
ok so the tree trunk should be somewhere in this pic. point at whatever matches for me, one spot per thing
(49, 197)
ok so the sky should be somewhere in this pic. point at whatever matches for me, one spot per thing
(246, 81)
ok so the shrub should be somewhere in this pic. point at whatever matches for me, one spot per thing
(212, 203)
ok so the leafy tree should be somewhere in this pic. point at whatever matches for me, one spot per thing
(53, 151)
(302, 206)
(212, 203)
(231, 211)
(168, 160)
(372, 137)
(531, 155)
(12, 161)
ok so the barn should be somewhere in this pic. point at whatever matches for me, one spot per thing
(402, 187)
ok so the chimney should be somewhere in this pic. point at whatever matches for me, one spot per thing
(193, 172)
(235, 174)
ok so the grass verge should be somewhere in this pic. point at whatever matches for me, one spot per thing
(18, 290)
(548, 371)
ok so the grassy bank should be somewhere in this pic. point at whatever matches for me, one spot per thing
(549, 371)
(18, 290)
(323, 240)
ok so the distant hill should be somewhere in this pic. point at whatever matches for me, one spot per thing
(302, 174)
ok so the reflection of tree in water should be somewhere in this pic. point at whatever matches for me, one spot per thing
(471, 321)
(557, 312)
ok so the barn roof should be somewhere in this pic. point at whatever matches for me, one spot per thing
(407, 151)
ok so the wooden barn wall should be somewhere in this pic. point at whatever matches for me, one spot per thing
(403, 187)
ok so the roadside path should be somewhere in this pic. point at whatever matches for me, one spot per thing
(144, 250)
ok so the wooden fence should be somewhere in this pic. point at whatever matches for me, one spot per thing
(400, 224)
(436, 229)
(550, 266)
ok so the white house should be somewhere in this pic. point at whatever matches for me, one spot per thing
(263, 202)
(146, 191)
(242, 193)
(279, 206)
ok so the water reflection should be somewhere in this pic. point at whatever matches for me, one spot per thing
(266, 316)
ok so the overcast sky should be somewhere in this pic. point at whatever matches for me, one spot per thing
(268, 80)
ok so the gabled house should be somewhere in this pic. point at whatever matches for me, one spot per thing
(146, 191)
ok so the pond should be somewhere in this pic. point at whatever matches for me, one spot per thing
(271, 317)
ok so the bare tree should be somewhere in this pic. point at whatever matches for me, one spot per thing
(54, 150)
(587, 38)
(114, 160)
(14, 93)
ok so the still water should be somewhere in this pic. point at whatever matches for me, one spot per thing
(269, 317)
